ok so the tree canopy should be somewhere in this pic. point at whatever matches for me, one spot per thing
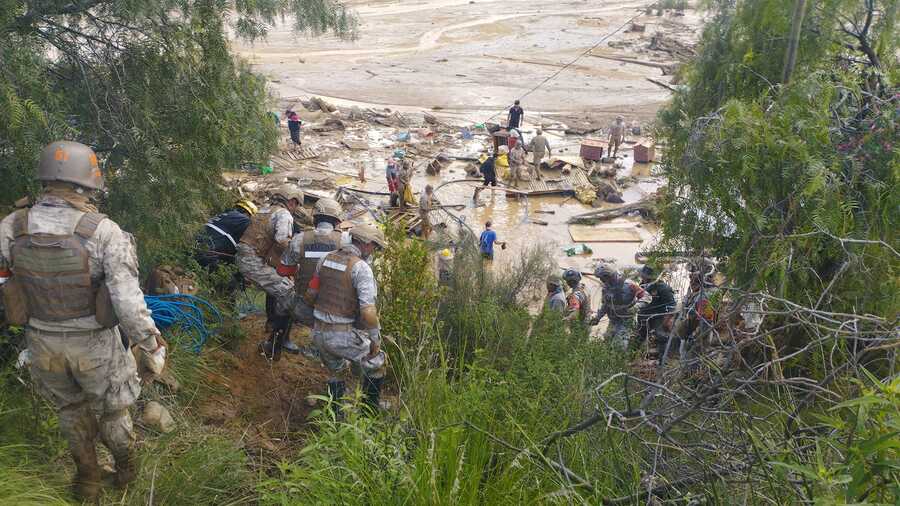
(795, 184)
(150, 85)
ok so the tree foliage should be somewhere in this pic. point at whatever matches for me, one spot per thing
(151, 85)
(796, 185)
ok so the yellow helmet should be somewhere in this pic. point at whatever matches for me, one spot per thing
(446, 253)
(247, 205)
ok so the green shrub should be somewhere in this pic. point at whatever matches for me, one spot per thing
(468, 431)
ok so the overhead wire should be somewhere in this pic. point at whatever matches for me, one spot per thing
(575, 60)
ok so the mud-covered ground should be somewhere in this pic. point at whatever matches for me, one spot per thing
(471, 59)
(463, 63)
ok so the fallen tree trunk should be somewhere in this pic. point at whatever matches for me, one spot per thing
(667, 69)
(647, 208)
(660, 83)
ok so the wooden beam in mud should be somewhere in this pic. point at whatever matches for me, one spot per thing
(666, 68)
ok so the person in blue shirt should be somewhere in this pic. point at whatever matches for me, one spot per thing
(487, 240)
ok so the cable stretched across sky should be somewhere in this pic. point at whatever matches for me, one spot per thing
(575, 60)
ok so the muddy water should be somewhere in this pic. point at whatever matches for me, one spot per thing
(465, 61)
(514, 218)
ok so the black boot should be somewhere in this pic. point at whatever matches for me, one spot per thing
(126, 469)
(336, 389)
(279, 340)
(372, 391)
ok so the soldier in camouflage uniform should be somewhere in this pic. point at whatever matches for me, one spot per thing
(556, 297)
(260, 250)
(622, 299)
(343, 292)
(579, 301)
(301, 257)
(697, 317)
(73, 283)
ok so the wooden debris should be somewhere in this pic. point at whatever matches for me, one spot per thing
(356, 144)
(660, 83)
(667, 69)
(647, 208)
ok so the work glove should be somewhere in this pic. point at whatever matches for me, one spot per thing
(150, 362)
(374, 342)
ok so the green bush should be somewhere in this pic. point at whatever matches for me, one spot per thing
(855, 459)
(468, 432)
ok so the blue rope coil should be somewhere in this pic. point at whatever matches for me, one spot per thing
(192, 315)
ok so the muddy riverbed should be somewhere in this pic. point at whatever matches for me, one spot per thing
(464, 62)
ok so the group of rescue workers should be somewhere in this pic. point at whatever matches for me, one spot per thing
(70, 277)
(319, 278)
(638, 312)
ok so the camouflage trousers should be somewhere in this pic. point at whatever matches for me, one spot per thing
(256, 269)
(91, 379)
(340, 348)
(302, 312)
(619, 332)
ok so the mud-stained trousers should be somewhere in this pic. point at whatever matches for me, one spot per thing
(340, 348)
(619, 332)
(256, 269)
(302, 312)
(340, 345)
(92, 380)
(537, 156)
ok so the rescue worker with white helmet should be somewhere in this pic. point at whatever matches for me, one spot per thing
(622, 299)
(260, 250)
(343, 292)
(301, 257)
(73, 283)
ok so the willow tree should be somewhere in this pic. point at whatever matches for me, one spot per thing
(151, 85)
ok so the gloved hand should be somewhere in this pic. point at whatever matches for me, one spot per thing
(374, 342)
(374, 349)
(151, 362)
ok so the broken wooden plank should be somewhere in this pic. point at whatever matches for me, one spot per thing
(647, 208)
(356, 144)
(660, 83)
(666, 68)
(586, 233)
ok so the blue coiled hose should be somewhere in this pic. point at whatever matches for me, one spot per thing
(193, 315)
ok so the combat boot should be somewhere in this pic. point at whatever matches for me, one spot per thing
(372, 391)
(126, 469)
(86, 483)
